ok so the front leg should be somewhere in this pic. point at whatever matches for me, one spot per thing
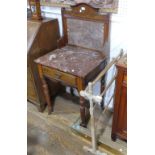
(83, 112)
(45, 89)
(47, 96)
(102, 89)
(83, 109)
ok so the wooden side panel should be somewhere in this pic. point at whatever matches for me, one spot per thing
(122, 121)
(43, 41)
(119, 127)
(31, 91)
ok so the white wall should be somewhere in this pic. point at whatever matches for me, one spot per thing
(118, 40)
(118, 35)
(53, 12)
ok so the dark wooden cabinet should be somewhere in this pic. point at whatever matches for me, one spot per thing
(119, 126)
(42, 36)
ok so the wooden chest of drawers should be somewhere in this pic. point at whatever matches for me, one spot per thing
(119, 126)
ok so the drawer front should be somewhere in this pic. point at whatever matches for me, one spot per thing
(58, 75)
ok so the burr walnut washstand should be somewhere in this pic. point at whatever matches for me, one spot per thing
(81, 54)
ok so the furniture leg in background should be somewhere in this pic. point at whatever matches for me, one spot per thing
(119, 125)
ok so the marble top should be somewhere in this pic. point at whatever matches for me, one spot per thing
(74, 60)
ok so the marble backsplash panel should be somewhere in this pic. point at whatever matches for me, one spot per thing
(86, 34)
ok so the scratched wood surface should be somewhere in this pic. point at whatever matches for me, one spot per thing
(52, 134)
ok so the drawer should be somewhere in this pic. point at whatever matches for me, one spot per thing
(60, 76)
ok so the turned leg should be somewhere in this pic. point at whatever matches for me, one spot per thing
(42, 107)
(47, 95)
(82, 112)
(103, 84)
(45, 90)
(113, 137)
(102, 89)
(72, 91)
